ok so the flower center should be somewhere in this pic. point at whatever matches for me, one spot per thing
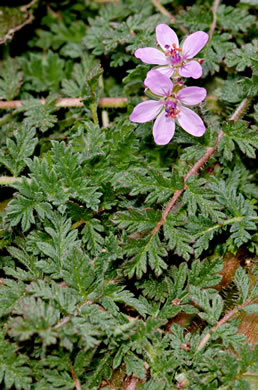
(173, 53)
(171, 109)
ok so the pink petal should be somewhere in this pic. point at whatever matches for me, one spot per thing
(166, 36)
(150, 55)
(146, 111)
(158, 83)
(190, 122)
(163, 129)
(191, 69)
(191, 95)
(194, 43)
(166, 70)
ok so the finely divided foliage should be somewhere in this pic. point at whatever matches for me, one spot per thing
(128, 259)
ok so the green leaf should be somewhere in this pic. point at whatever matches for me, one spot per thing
(60, 34)
(42, 73)
(211, 306)
(232, 92)
(65, 299)
(137, 220)
(67, 167)
(91, 236)
(250, 85)
(180, 276)
(119, 294)
(22, 209)
(156, 288)
(242, 58)
(203, 230)
(78, 272)
(196, 18)
(57, 379)
(10, 293)
(135, 366)
(10, 79)
(205, 273)
(27, 260)
(159, 185)
(197, 195)
(89, 141)
(242, 282)
(34, 316)
(60, 240)
(178, 238)
(236, 205)
(234, 19)
(228, 333)
(14, 370)
(19, 149)
(102, 368)
(169, 311)
(40, 115)
(246, 139)
(143, 252)
(253, 308)
(76, 86)
(215, 52)
(133, 81)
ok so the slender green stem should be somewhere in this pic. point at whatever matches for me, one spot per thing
(94, 113)
(228, 222)
(7, 117)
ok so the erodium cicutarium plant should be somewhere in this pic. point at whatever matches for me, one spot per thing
(171, 98)
(127, 261)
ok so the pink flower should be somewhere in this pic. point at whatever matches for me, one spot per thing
(168, 108)
(172, 58)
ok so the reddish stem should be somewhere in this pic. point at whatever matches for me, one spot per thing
(209, 152)
(105, 102)
(76, 381)
(214, 12)
(165, 12)
(223, 320)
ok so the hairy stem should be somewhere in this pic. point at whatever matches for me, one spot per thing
(200, 163)
(8, 181)
(223, 320)
(163, 11)
(214, 13)
(106, 102)
(94, 113)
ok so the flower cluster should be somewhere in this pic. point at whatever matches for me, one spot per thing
(171, 97)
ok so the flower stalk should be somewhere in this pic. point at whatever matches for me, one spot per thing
(199, 164)
(214, 13)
